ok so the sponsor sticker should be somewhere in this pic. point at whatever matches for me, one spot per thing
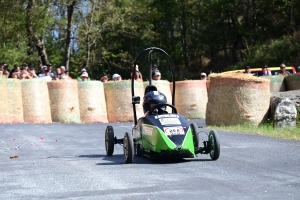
(148, 131)
(168, 115)
(169, 121)
(175, 130)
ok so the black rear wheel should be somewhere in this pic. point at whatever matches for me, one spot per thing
(194, 128)
(214, 142)
(109, 140)
(128, 148)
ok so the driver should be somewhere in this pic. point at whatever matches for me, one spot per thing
(151, 99)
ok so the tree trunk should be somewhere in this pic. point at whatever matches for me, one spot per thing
(70, 11)
(33, 39)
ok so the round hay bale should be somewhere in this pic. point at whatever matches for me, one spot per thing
(15, 103)
(236, 99)
(277, 83)
(164, 87)
(119, 100)
(64, 101)
(92, 102)
(4, 116)
(191, 98)
(36, 103)
(292, 82)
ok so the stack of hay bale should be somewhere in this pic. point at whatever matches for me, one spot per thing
(236, 99)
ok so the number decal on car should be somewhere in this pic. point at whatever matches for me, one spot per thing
(175, 130)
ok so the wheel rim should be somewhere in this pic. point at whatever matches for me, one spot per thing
(212, 145)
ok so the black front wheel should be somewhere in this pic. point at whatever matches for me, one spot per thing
(194, 129)
(128, 148)
(214, 144)
(109, 140)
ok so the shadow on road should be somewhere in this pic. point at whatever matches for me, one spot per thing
(118, 159)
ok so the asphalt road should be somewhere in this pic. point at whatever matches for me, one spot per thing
(68, 161)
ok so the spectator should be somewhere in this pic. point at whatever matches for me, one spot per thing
(40, 70)
(43, 72)
(104, 79)
(154, 68)
(46, 74)
(117, 77)
(58, 74)
(32, 73)
(51, 72)
(25, 67)
(15, 73)
(82, 71)
(282, 71)
(247, 70)
(5, 73)
(84, 76)
(203, 76)
(298, 69)
(265, 71)
(156, 75)
(64, 73)
(25, 75)
(138, 76)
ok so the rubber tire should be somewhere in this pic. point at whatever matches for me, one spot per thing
(109, 140)
(213, 139)
(128, 148)
(194, 129)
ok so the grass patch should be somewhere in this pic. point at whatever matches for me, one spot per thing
(264, 129)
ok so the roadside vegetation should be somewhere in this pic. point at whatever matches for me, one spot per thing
(265, 129)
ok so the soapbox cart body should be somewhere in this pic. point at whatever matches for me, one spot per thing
(162, 135)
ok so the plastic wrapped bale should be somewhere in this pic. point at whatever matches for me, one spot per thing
(92, 102)
(4, 116)
(292, 82)
(277, 83)
(64, 101)
(15, 103)
(191, 98)
(118, 98)
(164, 87)
(237, 99)
(36, 103)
